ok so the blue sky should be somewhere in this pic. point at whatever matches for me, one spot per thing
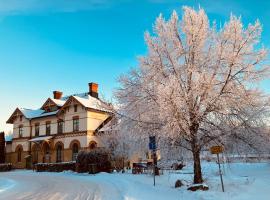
(48, 45)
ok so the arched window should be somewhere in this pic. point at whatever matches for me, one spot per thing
(92, 145)
(59, 150)
(75, 150)
(46, 153)
(19, 154)
(35, 154)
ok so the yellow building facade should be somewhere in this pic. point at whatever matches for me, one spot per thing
(58, 130)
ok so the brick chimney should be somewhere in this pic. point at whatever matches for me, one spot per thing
(93, 89)
(57, 94)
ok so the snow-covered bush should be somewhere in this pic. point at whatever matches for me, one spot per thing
(5, 167)
(55, 167)
(98, 160)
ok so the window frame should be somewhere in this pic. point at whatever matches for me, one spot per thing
(37, 129)
(76, 124)
(75, 154)
(20, 132)
(75, 108)
(60, 126)
(59, 150)
(48, 128)
(19, 155)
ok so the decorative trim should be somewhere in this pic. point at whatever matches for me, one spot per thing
(70, 134)
(21, 138)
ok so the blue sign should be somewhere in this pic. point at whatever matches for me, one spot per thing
(152, 143)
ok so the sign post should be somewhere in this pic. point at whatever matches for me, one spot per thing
(217, 150)
(153, 147)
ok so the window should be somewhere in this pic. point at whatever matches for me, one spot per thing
(75, 108)
(36, 129)
(60, 126)
(75, 150)
(19, 155)
(35, 154)
(48, 128)
(20, 131)
(46, 153)
(59, 149)
(20, 117)
(76, 124)
(92, 145)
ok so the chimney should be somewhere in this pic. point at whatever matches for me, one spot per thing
(93, 89)
(57, 94)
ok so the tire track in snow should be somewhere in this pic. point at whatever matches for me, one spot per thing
(54, 186)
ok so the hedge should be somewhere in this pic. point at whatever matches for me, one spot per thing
(55, 167)
(94, 161)
(5, 167)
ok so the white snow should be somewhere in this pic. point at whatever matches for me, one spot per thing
(91, 102)
(30, 113)
(59, 102)
(6, 184)
(43, 138)
(242, 181)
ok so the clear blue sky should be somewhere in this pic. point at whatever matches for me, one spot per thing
(48, 45)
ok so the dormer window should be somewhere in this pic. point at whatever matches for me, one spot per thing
(75, 108)
(20, 131)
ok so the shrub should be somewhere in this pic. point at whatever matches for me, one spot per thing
(5, 167)
(55, 167)
(196, 187)
(94, 161)
(178, 166)
(178, 184)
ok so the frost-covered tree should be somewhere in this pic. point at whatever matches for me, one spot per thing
(198, 82)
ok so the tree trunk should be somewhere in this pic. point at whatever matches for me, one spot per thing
(196, 155)
(197, 167)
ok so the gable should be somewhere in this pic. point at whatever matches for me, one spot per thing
(49, 105)
(16, 114)
(71, 101)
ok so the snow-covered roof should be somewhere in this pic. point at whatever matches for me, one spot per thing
(92, 102)
(112, 125)
(59, 102)
(84, 98)
(30, 113)
(42, 138)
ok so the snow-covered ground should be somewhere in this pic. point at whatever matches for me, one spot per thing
(242, 181)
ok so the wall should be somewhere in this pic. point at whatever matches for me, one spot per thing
(68, 118)
(26, 127)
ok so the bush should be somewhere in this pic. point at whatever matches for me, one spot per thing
(196, 187)
(178, 166)
(5, 167)
(55, 167)
(94, 161)
(178, 184)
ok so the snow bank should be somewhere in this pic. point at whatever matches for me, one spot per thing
(242, 181)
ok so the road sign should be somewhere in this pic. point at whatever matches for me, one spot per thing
(216, 149)
(152, 143)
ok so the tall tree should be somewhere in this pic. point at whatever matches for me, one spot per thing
(197, 82)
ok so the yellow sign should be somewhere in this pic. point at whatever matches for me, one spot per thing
(216, 149)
